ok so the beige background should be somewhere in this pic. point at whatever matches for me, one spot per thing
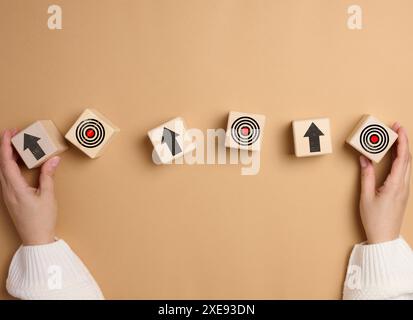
(206, 231)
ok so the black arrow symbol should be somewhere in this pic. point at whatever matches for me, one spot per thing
(30, 142)
(313, 134)
(169, 137)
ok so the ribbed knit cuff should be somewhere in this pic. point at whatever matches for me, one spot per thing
(380, 271)
(50, 271)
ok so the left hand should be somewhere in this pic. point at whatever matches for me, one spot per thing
(33, 210)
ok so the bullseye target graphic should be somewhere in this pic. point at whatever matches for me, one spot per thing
(374, 139)
(245, 131)
(90, 133)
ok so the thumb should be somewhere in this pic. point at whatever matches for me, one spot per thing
(368, 179)
(46, 175)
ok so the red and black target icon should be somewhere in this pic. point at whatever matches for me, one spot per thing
(245, 131)
(90, 133)
(374, 139)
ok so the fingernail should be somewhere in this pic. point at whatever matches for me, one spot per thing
(55, 162)
(396, 127)
(363, 162)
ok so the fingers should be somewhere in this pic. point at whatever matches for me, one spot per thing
(15, 155)
(400, 164)
(46, 182)
(13, 133)
(10, 171)
(395, 127)
(408, 172)
(368, 178)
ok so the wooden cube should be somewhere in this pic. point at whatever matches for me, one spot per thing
(312, 137)
(244, 131)
(169, 140)
(38, 143)
(91, 133)
(372, 138)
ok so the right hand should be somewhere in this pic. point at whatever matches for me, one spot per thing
(382, 210)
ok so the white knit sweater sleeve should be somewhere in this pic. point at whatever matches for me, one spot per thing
(380, 271)
(49, 272)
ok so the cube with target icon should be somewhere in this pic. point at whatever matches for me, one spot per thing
(372, 138)
(91, 133)
(244, 131)
(170, 140)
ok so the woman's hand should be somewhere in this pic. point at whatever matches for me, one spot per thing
(33, 210)
(382, 209)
